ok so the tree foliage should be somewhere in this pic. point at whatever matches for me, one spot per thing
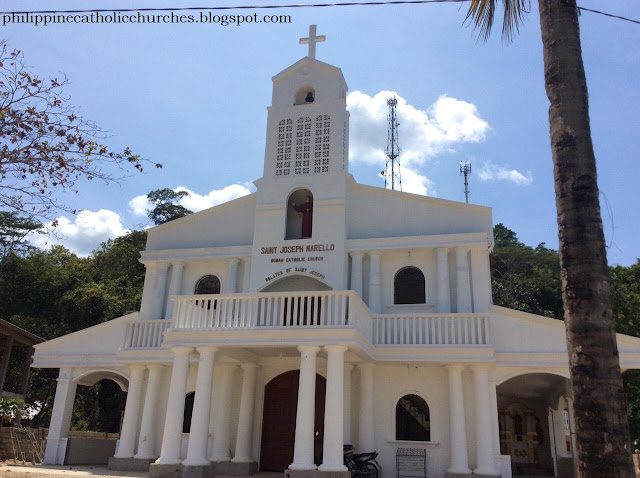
(45, 146)
(13, 232)
(166, 207)
(523, 277)
(53, 293)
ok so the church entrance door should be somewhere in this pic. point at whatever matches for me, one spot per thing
(279, 421)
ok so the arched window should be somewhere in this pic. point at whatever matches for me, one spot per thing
(412, 419)
(409, 286)
(305, 95)
(208, 284)
(299, 215)
(188, 411)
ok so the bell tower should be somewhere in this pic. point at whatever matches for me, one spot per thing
(304, 183)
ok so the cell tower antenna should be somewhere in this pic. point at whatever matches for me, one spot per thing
(465, 170)
(391, 173)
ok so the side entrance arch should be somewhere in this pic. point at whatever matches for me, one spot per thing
(279, 421)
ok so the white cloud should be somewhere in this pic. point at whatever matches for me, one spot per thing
(422, 133)
(194, 201)
(493, 172)
(416, 183)
(84, 234)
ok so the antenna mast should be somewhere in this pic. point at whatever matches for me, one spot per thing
(465, 170)
(391, 173)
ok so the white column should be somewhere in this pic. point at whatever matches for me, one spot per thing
(245, 418)
(356, 272)
(199, 431)
(304, 435)
(366, 429)
(348, 369)
(246, 274)
(442, 280)
(175, 286)
(232, 276)
(146, 304)
(159, 289)
(60, 418)
(459, 461)
(493, 403)
(146, 442)
(485, 460)
(172, 436)
(222, 424)
(481, 279)
(332, 452)
(375, 282)
(126, 447)
(463, 281)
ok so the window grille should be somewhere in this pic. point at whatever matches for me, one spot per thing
(304, 133)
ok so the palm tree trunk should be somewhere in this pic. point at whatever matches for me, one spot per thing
(602, 432)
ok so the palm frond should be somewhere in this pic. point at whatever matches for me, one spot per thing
(482, 14)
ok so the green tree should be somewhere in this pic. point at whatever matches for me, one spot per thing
(602, 433)
(165, 205)
(13, 231)
(525, 278)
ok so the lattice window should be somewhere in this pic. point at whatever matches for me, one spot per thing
(306, 159)
(283, 153)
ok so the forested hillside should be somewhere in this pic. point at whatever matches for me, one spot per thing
(54, 292)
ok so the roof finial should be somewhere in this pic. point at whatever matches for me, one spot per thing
(311, 40)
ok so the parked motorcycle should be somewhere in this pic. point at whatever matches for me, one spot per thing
(361, 464)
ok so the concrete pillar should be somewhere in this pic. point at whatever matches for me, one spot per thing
(146, 441)
(459, 460)
(222, 424)
(305, 433)
(159, 289)
(493, 403)
(366, 428)
(199, 431)
(333, 454)
(146, 304)
(356, 272)
(485, 459)
(175, 287)
(6, 356)
(127, 444)
(481, 279)
(463, 281)
(348, 369)
(375, 283)
(245, 418)
(246, 274)
(232, 276)
(24, 386)
(442, 280)
(60, 418)
(172, 436)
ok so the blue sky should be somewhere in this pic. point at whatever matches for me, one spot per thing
(194, 98)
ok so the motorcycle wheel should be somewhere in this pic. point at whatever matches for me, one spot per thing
(370, 470)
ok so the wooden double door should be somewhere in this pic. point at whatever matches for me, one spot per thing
(279, 421)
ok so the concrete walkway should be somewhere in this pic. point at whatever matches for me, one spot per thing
(52, 471)
(46, 471)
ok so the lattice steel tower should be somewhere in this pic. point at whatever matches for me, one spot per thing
(465, 170)
(391, 173)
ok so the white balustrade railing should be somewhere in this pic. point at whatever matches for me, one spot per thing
(145, 333)
(279, 309)
(431, 329)
(317, 309)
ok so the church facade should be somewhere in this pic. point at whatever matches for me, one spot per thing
(318, 312)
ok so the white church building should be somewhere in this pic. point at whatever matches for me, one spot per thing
(318, 312)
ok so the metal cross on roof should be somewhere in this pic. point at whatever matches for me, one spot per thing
(311, 40)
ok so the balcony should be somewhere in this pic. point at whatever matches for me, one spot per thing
(276, 314)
